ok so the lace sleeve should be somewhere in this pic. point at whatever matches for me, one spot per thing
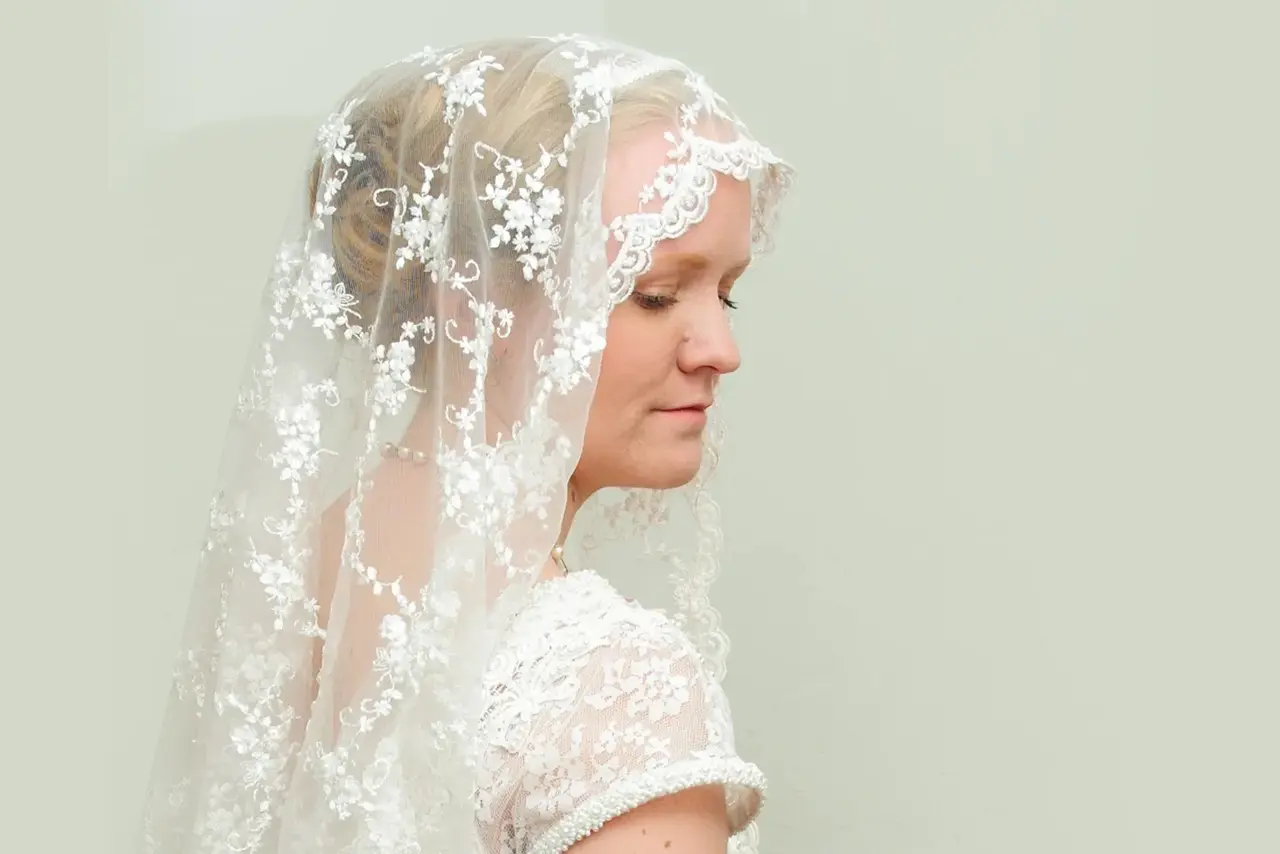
(630, 719)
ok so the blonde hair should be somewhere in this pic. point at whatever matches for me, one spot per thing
(398, 125)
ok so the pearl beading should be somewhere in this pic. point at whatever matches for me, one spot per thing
(393, 451)
(627, 794)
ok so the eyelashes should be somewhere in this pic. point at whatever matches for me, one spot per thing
(651, 302)
(655, 302)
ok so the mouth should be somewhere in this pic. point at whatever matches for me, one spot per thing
(693, 416)
(700, 408)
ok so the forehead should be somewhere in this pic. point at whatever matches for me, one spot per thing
(634, 161)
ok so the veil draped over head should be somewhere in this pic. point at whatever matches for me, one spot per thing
(395, 475)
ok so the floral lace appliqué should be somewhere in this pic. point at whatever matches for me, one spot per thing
(598, 705)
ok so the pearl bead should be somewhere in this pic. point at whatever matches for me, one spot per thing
(393, 451)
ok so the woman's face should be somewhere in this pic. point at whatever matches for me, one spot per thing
(670, 342)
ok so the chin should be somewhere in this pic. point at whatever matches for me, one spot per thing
(668, 464)
(672, 470)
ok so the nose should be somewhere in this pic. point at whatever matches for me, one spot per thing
(709, 342)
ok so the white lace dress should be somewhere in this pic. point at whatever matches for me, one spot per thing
(598, 706)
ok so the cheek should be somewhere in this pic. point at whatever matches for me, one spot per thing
(633, 366)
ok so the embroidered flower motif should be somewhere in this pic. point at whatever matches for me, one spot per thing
(423, 232)
(529, 210)
(465, 87)
(336, 146)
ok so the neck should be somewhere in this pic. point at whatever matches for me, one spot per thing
(575, 496)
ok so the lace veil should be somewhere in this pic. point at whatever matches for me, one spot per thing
(395, 474)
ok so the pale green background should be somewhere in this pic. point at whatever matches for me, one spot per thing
(1002, 496)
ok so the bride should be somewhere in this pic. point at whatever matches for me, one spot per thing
(507, 292)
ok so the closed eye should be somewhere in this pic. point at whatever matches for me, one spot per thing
(652, 302)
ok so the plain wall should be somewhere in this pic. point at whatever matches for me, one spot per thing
(1002, 490)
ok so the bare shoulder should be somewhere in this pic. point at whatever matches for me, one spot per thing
(693, 821)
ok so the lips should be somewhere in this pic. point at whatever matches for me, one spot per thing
(693, 416)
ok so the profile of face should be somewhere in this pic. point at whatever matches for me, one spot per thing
(669, 344)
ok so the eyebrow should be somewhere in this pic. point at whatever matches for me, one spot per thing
(694, 262)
